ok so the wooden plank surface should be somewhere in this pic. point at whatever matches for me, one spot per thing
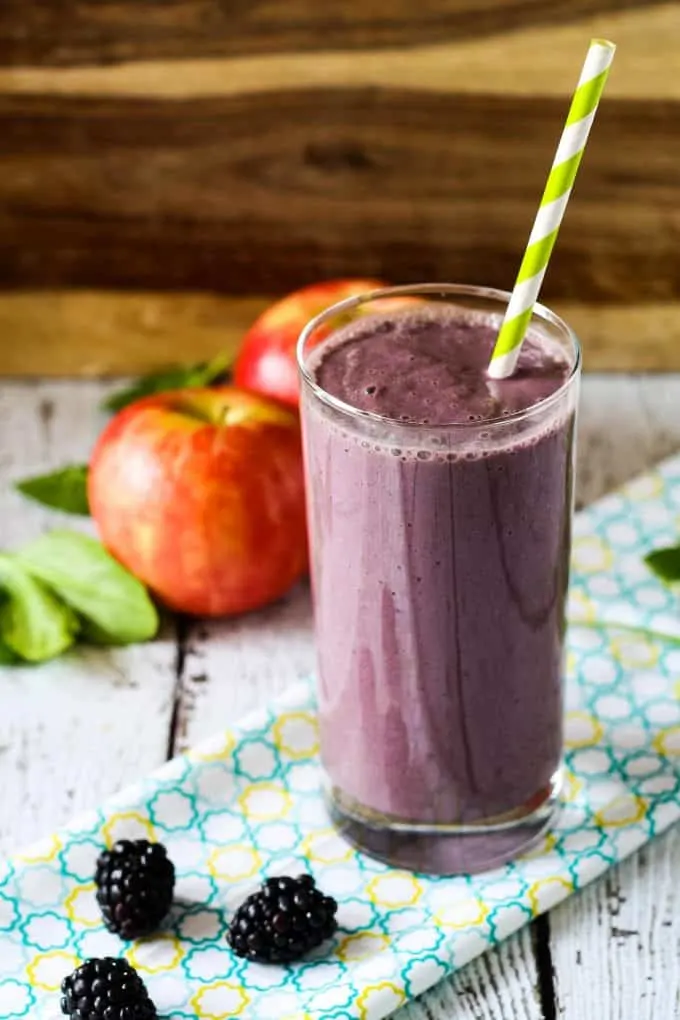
(96, 333)
(609, 952)
(81, 32)
(497, 62)
(62, 748)
(73, 333)
(614, 947)
(247, 149)
(213, 194)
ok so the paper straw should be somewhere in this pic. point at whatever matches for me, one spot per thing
(551, 210)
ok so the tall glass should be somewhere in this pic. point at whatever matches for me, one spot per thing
(440, 560)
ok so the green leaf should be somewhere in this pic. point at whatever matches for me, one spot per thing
(65, 489)
(7, 656)
(82, 573)
(202, 374)
(34, 624)
(92, 634)
(665, 563)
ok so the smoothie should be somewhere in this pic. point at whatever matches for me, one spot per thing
(440, 548)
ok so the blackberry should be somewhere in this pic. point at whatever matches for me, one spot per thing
(106, 989)
(282, 921)
(134, 882)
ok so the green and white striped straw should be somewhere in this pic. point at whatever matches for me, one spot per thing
(551, 210)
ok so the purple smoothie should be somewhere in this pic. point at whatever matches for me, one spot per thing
(440, 570)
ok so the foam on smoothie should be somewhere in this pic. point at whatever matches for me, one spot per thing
(428, 366)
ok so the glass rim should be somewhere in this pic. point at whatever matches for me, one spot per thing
(542, 312)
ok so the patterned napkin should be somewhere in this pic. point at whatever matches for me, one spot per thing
(248, 803)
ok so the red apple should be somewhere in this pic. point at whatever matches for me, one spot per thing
(266, 361)
(200, 494)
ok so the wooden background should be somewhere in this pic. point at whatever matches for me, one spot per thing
(166, 167)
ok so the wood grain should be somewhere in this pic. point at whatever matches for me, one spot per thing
(642, 337)
(95, 333)
(498, 64)
(212, 194)
(83, 32)
(502, 984)
(236, 150)
(615, 946)
(99, 333)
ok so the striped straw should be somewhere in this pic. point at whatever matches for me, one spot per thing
(551, 210)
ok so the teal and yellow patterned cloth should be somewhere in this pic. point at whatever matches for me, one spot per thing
(247, 804)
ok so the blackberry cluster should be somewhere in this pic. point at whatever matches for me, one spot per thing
(282, 921)
(135, 882)
(106, 989)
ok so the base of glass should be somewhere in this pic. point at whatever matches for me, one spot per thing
(444, 849)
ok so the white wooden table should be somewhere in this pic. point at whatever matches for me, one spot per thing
(73, 731)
